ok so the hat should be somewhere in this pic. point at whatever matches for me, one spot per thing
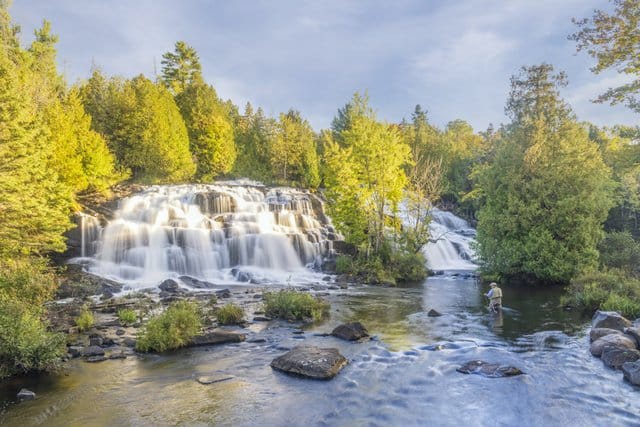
(493, 284)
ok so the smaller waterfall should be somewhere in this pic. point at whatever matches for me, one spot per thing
(452, 247)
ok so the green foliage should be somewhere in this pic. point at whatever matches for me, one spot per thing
(85, 320)
(612, 39)
(254, 134)
(172, 329)
(127, 316)
(408, 266)
(294, 305)
(27, 280)
(344, 264)
(181, 68)
(619, 250)
(292, 151)
(230, 314)
(609, 289)
(547, 192)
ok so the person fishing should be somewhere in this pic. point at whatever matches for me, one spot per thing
(495, 297)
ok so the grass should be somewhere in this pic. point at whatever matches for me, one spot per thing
(230, 314)
(127, 316)
(294, 305)
(85, 320)
(172, 329)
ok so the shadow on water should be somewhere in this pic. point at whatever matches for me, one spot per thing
(407, 376)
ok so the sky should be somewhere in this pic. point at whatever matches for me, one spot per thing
(454, 58)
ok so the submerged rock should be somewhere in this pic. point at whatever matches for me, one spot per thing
(93, 350)
(214, 379)
(612, 340)
(631, 372)
(597, 333)
(350, 331)
(217, 336)
(615, 357)
(434, 313)
(609, 319)
(25, 394)
(94, 359)
(489, 370)
(311, 362)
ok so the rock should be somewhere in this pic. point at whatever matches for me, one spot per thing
(214, 379)
(196, 283)
(118, 355)
(217, 336)
(609, 319)
(120, 332)
(489, 370)
(350, 331)
(223, 293)
(93, 350)
(170, 286)
(129, 342)
(25, 394)
(75, 351)
(434, 313)
(597, 333)
(95, 359)
(311, 362)
(634, 332)
(614, 340)
(615, 357)
(631, 372)
(95, 341)
(261, 319)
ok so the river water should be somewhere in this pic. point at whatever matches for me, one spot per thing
(405, 376)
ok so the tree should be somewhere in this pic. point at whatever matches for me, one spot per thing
(293, 148)
(613, 39)
(181, 68)
(254, 134)
(548, 191)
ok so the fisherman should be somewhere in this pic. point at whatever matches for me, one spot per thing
(495, 297)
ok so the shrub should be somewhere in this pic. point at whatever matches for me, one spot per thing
(230, 314)
(294, 305)
(171, 329)
(409, 267)
(344, 264)
(27, 280)
(127, 316)
(85, 320)
(620, 250)
(213, 300)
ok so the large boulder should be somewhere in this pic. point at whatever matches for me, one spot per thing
(311, 362)
(612, 340)
(631, 372)
(597, 333)
(615, 357)
(609, 319)
(434, 313)
(634, 331)
(217, 336)
(489, 370)
(171, 286)
(350, 331)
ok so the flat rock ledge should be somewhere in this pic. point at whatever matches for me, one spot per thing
(217, 336)
(311, 362)
(489, 370)
(353, 331)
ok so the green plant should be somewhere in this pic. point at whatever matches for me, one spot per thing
(172, 329)
(230, 314)
(294, 305)
(344, 264)
(127, 316)
(85, 320)
(610, 289)
(408, 267)
(213, 300)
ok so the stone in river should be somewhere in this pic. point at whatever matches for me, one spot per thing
(350, 331)
(93, 350)
(609, 319)
(597, 333)
(634, 332)
(170, 286)
(489, 370)
(615, 357)
(94, 359)
(434, 313)
(631, 372)
(614, 340)
(214, 379)
(311, 362)
(217, 336)
(25, 394)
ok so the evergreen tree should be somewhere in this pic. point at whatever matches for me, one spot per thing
(548, 191)
(293, 148)
(254, 134)
(181, 68)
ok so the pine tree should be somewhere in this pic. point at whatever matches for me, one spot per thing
(181, 68)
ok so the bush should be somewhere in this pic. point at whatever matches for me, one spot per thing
(344, 264)
(230, 314)
(27, 280)
(172, 329)
(294, 305)
(409, 267)
(127, 316)
(620, 250)
(85, 320)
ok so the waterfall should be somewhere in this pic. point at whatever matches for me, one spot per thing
(451, 249)
(214, 232)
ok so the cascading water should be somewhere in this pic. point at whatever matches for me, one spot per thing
(450, 246)
(214, 232)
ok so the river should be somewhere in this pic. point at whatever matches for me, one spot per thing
(405, 376)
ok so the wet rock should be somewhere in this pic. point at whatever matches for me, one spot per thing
(634, 332)
(615, 357)
(120, 332)
(75, 351)
(261, 319)
(350, 331)
(609, 319)
(95, 359)
(95, 341)
(434, 313)
(170, 286)
(214, 379)
(613, 340)
(196, 283)
(257, 340)
(217, 336)
(597, 333)
(129, 342)
(489, 370)
(25, 394)
(93, 350)
(631, 372)
(122, 354)
(223, 293)
(311, 362)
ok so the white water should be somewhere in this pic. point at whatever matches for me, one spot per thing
(450, 248)
(218, 233)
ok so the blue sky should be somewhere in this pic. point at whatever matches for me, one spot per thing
(453, 57)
